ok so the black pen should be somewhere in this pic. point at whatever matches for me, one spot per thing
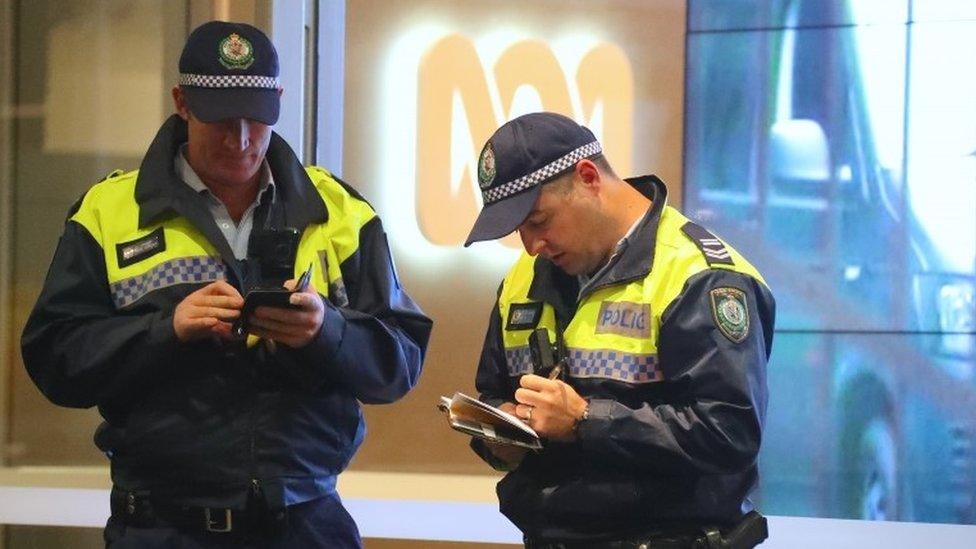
(303, 280)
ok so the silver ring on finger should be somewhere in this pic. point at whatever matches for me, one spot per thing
(528, 415)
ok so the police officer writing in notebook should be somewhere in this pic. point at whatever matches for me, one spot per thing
(218, 439)
(661, 332)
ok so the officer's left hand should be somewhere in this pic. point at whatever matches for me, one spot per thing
(551, 407)
(294, 327)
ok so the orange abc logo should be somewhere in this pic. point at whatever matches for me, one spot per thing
(455, 116)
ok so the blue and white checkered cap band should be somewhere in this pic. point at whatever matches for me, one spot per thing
(185, 270)
(505, 190)
(229, 81)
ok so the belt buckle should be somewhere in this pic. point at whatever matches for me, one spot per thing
(220, 527)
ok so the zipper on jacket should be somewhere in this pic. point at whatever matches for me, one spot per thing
(252, 436)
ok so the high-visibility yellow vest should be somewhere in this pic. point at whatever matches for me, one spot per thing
(614, 331)
(139, 260)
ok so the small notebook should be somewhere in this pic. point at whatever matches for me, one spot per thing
(475, 418)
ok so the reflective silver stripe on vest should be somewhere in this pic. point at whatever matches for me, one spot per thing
(616, 365)
(185, 270)
(337, 293)
(519, 360)
(601, 363)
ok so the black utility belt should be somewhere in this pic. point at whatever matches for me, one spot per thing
(141, 509)
(750, 531)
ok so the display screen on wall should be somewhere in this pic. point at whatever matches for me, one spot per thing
(834, 142)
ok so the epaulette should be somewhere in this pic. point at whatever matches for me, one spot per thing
(77, 205)
(113, 173)
(349, 189)
(712, 248)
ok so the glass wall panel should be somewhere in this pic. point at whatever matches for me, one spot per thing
(427, 81)
(738, 15)
(943, 10)
(794, 153)
(91, 85)
(869, 426)
(841, 160)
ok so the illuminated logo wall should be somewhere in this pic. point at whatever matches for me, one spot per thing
(465, 89)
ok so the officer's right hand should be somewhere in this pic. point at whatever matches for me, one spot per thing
(209, 311)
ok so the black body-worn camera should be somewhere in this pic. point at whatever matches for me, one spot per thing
(274, 249)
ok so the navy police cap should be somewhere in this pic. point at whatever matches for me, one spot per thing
(230, 70)
(517, 160)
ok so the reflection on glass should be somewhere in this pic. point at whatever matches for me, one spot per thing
(942, 141)
(725, 15)
(844, 164)
(869, 426)
(801, 166)
(90, 82)
(943, 10)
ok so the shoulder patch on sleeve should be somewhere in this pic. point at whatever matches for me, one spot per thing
(730, 310)
(712, 248)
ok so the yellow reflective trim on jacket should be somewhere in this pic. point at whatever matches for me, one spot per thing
(615, 330)
(106, 203)
(328, 245)
(515, 290)
(110, 213)
(686, 260)
(614, 334)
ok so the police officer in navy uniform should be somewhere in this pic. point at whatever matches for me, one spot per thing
(652, 418)
(223, 433)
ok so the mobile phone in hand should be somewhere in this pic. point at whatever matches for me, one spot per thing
(269, 297)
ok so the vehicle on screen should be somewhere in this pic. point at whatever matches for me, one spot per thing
(797, 143)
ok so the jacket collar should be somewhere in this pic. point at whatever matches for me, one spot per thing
(552, 285)
(161, 194)
(636, 260)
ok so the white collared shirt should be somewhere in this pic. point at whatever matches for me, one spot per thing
(236, 234)
(584, 280)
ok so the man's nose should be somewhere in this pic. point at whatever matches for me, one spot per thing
(532, 244)
(238, 134)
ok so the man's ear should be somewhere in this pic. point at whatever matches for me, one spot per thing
(588, 173)
(179, 103)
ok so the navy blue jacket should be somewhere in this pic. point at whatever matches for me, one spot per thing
(675, 447)
(205, 422)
